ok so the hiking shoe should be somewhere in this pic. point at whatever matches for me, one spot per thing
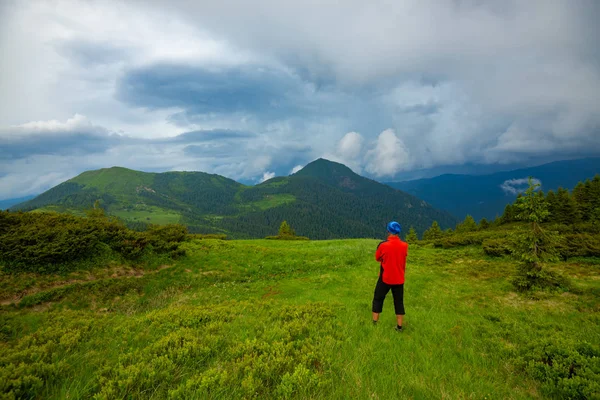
(398, 329)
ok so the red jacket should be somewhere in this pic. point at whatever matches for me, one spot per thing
(392, 256)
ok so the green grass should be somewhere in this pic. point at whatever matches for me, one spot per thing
(149, 214)
(276, 182)
(273, 200)
(279, 319)
(115, 179)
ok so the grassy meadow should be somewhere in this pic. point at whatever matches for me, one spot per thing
(292, 319)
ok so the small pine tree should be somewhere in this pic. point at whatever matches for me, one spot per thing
(434, 232)
(484, 224)
(595, 189)
(468, 225)
(286, 230)
(566, 210)
(582, 196)
(412, 235)
(508, 215)
(96, 212)
(552, 206)
(535, 246)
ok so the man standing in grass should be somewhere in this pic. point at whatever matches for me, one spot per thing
(391, 253)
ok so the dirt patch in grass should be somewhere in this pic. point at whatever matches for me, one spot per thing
(271, 291)
(555, 302)
(121, 272)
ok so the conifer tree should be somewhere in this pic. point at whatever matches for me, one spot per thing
(595, 189)
(582, 196)
(484, 224)
(412, 235)
(286, 230)
(552, 206)
(434, 232)
(534, 246)
(468, 225)
(566, 207)
(507, 216)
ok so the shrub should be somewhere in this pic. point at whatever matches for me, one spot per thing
(52, 242)
(566, 370)
(464, 239)
(496, 247)
(286, 233)
(166, 238)
(579, 245)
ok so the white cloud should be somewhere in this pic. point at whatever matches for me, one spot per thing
(350, 146)
(389, 155)
(516, 186)
(77, 123)
(489, 84)
(266, 176)
(296, 169)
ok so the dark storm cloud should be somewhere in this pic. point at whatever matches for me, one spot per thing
(248, 89)
(211, 135)
(62, 144)
(209, 150)
(91, 140)
(264, 93)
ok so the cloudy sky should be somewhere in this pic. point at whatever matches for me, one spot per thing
(255, 89)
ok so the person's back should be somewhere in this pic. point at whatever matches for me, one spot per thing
(392, 255)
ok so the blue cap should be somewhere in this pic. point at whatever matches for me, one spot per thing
(394, 228)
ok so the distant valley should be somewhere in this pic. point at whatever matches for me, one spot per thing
(487, 195)
(8, 203)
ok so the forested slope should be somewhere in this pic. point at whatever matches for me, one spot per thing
(325, 200)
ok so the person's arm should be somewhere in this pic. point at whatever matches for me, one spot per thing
(379, 253)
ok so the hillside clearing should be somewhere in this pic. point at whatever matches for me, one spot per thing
(255, 319)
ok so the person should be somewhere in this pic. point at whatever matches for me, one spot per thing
(392, 254)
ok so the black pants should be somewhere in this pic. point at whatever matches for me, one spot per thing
(381, 290)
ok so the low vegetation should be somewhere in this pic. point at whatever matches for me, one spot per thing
(286, 233)
(291, 319)
(57, 243)
(91, 309)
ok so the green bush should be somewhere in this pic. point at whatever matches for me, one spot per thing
(566, 370)
(579, 245)
(52, 242)
(496, 247)
(166, 238)
(527, 278)
(28, 366)
(465, 239)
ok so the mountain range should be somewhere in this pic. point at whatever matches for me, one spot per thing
(8, 203)
(487, 195)
(324, 200)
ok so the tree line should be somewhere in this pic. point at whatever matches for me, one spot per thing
(581, 205)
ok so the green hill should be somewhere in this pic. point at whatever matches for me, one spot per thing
(324, 200)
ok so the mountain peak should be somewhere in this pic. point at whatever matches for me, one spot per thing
(325, 168)
(336, 174)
